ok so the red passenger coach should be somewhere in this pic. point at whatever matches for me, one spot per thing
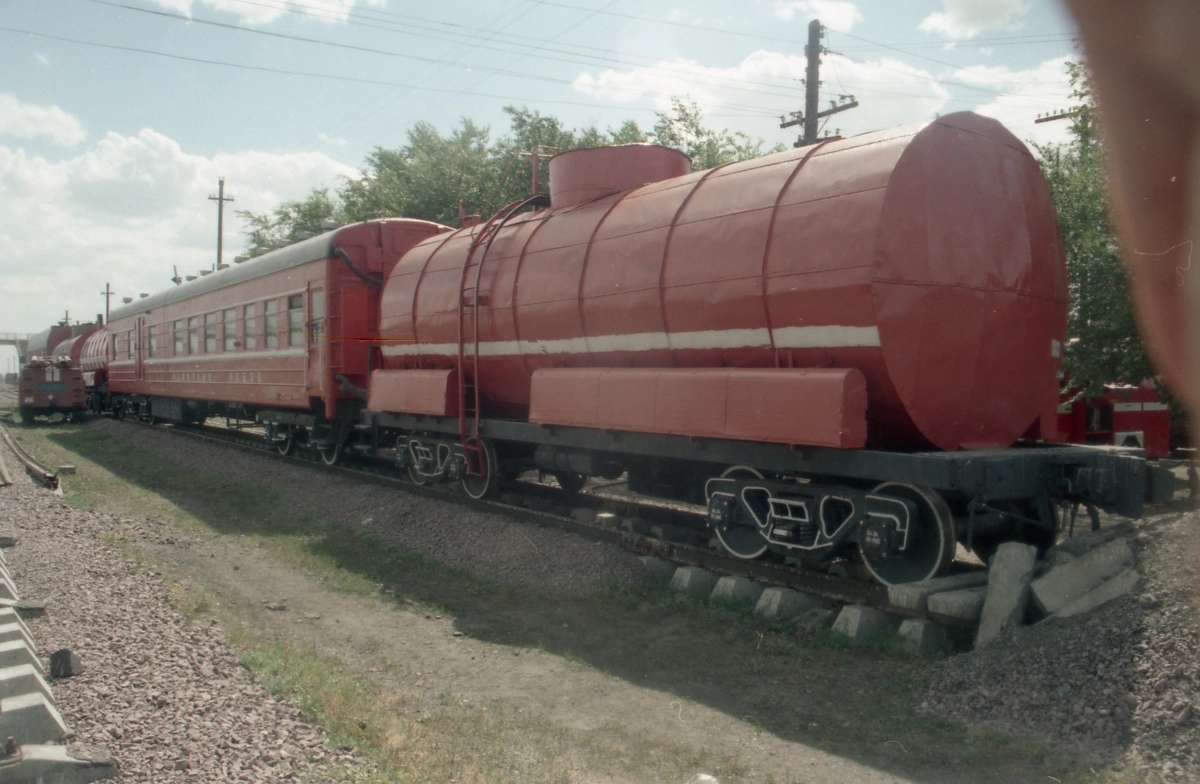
(283, 337)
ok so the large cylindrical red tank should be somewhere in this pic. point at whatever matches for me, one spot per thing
(93, 358)
(73, 349)
(928, 257)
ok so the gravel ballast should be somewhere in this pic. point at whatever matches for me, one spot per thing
(1118, 686)
(168, 697)
(489, 546)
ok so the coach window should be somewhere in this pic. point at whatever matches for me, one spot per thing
(317, 311)
(150, 341)
(112, 347)
(134, 334)
(210, 333)
(230, 327)
(296, 320)
(271, 313)
(179, 338)
(194, 335)
(250, 328)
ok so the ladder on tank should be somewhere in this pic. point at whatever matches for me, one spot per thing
(469, 302)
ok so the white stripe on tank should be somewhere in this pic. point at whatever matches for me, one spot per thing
(832, 336)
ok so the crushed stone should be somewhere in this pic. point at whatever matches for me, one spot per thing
(167, 696)
(1119, 686)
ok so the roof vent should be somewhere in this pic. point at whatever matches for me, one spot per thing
(222, 266)
(261, 251)
(305, 235)
(191, 277)
(143, 295)
(205, 272)
(329, 224)
(589, 173)
(240, 259)
(127, 300)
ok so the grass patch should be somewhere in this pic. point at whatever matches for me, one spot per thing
(858, 702)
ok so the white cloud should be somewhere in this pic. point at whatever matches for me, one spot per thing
(41, 58)
(255, 13)
(753, 94)
(126, 210)
(325, 138)
(29, 121)
(837, 14)
(1027, 94)
(967, 18)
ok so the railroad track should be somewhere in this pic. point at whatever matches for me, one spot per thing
(517, 495)
(39, 472)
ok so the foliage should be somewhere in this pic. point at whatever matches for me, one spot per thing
(682, 129)
(289, 221)
(430, 174)
(1103, 346)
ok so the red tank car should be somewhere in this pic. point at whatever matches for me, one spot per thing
(93, 360)
(283, 336)
(735, 337)
(927, 259)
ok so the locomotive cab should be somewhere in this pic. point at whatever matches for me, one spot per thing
(49, 386)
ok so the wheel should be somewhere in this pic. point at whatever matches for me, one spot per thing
(570, 482)
(331, 455)
(488, 485)
(931, 539)
(741, 538)
(285, 446)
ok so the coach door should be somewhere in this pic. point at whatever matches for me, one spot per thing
(138, 340)
(318, 343)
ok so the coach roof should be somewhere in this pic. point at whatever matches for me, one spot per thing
(303, 252)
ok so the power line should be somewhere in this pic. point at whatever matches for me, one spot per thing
(386, 53)
(757, 112)
(514, 62)
(390, 96)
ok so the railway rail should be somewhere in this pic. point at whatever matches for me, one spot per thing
(39, 472)
(378, 470)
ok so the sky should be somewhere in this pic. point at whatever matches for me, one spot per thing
(117, 117)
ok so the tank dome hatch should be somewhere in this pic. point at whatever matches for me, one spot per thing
(589, 173)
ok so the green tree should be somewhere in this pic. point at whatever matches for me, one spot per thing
(290, 221)
(683, 129)
(1103, 346)
(425, 178)
(431, 173)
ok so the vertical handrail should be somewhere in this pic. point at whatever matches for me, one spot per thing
(473, 453)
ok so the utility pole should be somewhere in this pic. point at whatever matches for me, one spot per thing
(107, 296)
(220, 199)
(812, 87)
(1059, 115)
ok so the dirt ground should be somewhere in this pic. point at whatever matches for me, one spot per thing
(416, 655)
